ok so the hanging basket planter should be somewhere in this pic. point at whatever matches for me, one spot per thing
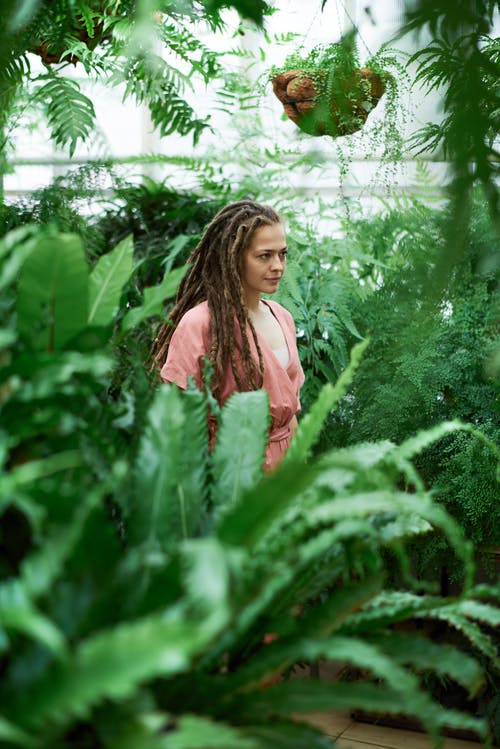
(321, 104)
(52, 56)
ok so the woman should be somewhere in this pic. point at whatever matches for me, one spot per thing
(219, 314)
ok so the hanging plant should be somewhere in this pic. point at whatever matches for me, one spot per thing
(327, 92)
(57, 28)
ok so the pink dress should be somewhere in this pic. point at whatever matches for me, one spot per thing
(191, 341)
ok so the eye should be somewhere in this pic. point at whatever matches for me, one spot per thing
(283, 254)
(264, 256)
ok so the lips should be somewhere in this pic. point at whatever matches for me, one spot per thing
(273, 280)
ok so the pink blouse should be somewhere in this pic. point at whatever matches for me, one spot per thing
(191, 341)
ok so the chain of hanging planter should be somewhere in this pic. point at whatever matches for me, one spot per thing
(326, 91)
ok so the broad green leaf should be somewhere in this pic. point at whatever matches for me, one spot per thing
(107, 280)
(154, 298)
(169, 474)
(198, 732)
(53, 291)
(239, 452)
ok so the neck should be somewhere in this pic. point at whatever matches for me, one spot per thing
(252, 302)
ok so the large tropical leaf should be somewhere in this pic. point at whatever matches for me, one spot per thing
(53, 291)
(154, 298)
(106, 282)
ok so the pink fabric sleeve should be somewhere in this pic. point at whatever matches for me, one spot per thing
(189, 343)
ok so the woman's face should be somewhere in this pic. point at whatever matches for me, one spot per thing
(264, 261)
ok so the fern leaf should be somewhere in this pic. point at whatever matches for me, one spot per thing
(70, 114)
(41, 569)
(106, 281)
(240, 447)
(479, 639)
(281, 734)
(329, 616)
(482, 612)
(197, 732)
(310, 427)
(424, 654)
(389, 607)
(300, 696)
(255, 512)
(17, 613)
(11, 734)
(167, 500)
(206, 580)
(111, 665)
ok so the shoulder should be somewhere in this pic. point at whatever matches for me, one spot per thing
(197, 317)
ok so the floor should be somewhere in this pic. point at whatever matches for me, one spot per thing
(349, 733)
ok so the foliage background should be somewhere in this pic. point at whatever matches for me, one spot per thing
(140, 574)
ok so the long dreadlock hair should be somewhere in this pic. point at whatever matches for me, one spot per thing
(215, 277)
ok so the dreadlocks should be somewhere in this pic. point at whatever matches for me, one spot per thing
(215, 276)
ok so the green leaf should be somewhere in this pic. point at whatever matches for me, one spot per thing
(154, 298)
(206, 579)
(13, 735)
(424, 654)
(301, 696)
(17, 613)
(70, 114)
(33, 470)
(106, 281)
(111, 665)
(197, 732)
(169, 474)
(15, 247)
(53, 291)
(280, 734)
(239, 452)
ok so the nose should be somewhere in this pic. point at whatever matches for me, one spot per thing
(278, 263)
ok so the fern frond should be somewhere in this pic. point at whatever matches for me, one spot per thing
(422, 653)
(198, 732)
(167, 500)
(111, 665)
(299, 696)
(240, 447)
(70, 114)
(18, 614)
(11, 734)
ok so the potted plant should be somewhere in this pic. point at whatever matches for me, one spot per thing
(327, 92)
